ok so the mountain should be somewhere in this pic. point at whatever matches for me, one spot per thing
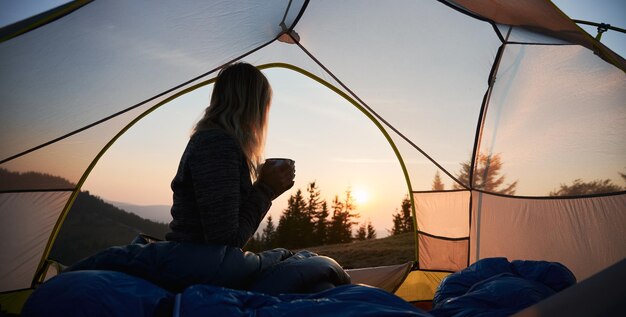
(156, 213)
(91, 225)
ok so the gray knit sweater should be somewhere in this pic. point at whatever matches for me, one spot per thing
(215, 201)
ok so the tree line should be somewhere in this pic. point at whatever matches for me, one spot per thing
(308, 220)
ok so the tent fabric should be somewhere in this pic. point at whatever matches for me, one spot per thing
(585, 234)
(527, 85)
(388, 277)
(437, 253)
(443, 214)
(541, 17)
(420, 285)
(530, 128)
(12, 302)
(23, 241)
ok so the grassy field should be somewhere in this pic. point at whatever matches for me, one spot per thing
(385, 251)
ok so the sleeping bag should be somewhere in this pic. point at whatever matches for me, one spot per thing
(175, 266)
(497, 287)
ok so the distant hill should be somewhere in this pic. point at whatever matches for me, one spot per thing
(32, 180)
(91, 225)
(156, 213)
(358, 254)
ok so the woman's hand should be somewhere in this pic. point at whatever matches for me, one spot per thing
(278, 175)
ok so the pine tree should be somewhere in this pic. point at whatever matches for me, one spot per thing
(402, 219)
(361, 233)
(269, 235)
(398, 228)
(437, 183)
(317, 213)
(295, 229)
(486, 175)
(334, 230)
(342, 219)
(371, 232)
(313, 201)
(321, 225)
(407, 218)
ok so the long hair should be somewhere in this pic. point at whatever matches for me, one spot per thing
(240, 104)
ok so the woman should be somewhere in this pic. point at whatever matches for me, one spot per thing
(217, 208)
(215, 200)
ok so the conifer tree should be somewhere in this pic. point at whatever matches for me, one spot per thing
(342, 219)
(402, 219)
(269, 235)
(317, 211)
(361, 233)
(487, 175)
(313, 201)
(371, 232)
(334, 230)
(437, 183)
(295, 229)
(397, 223)
(321, 225)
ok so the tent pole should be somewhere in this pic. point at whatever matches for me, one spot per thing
(478, 137)
(602, 27)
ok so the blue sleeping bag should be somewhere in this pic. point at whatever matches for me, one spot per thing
(175, 266)
(116, 294)
(345, 301)
(98, 293)
(496, 287)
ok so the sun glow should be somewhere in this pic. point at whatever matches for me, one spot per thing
(360, 195)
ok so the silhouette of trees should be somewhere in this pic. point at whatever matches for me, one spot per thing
(321, 224)
(402, 219)
(269, 235)
(295, 228)
(579, 187)
(318, 213)
(307, 222)
(32, 180)
(437, 183)
(487, 175)
(361, 233)
(371, 232)
(340, 230)
(365, 232)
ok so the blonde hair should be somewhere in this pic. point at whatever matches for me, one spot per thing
(240, 104)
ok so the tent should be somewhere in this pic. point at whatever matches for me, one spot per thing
(528, 86)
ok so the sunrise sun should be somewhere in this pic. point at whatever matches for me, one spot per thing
(360, 195)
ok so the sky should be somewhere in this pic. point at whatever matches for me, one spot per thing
(360, 159)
